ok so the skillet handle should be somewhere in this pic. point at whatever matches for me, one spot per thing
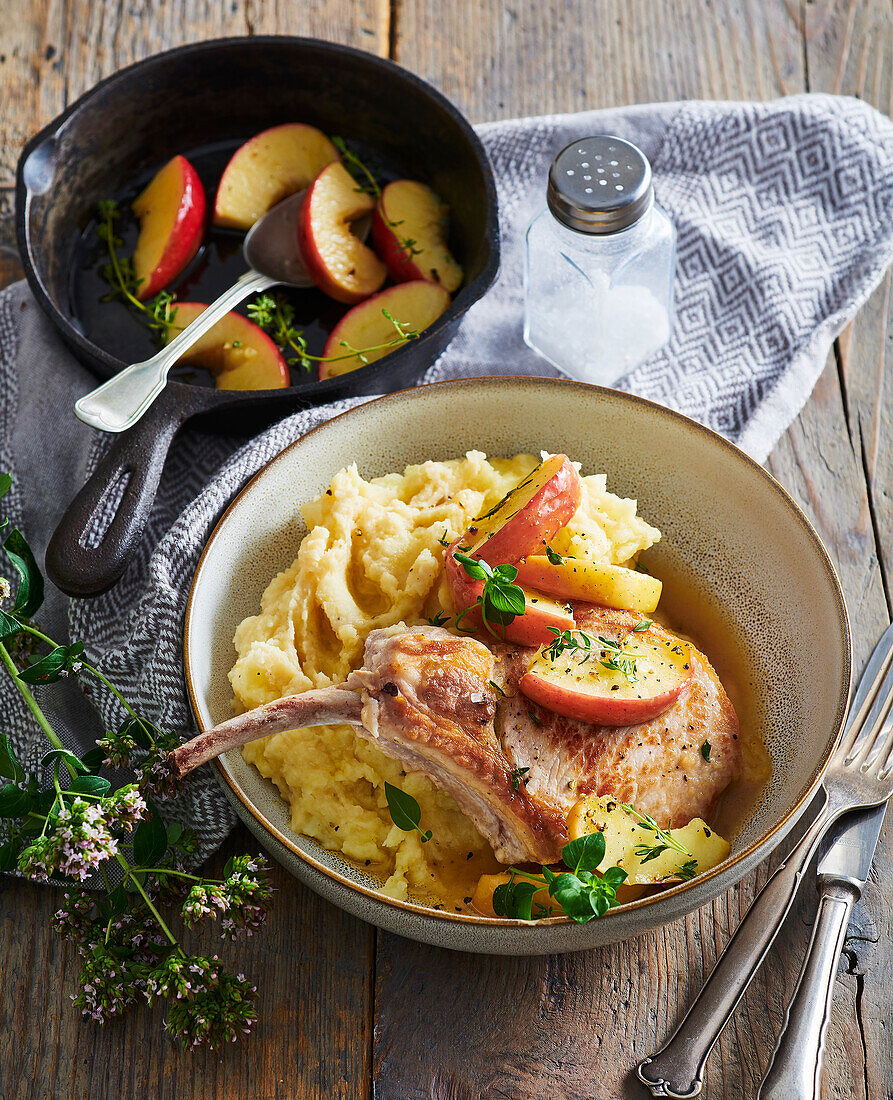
(86, 556)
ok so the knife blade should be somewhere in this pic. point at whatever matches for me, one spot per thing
(848, 856)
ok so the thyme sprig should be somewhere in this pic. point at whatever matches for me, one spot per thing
(664, 842)
(581, 891)
(612, 654)
(276, 315)
(66, 821)
(367, 182)
(159, 313)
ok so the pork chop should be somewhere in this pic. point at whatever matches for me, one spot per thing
(449, 707)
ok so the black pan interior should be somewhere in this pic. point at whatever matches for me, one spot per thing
(226, 91)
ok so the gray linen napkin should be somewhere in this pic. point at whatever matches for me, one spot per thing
(785, 219)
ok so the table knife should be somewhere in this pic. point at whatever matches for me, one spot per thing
(796, 1068)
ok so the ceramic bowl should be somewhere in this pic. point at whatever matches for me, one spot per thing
(743, 570)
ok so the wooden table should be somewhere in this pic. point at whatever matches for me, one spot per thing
(347, 1011)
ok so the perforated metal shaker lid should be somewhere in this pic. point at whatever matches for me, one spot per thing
(600, 184)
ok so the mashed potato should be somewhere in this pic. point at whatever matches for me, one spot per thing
(373, 557)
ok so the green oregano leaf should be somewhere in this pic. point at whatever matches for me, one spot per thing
(405, 811)
(10, 768)
(30, 594)
(149, 841)
(93, 785)
(14, 802)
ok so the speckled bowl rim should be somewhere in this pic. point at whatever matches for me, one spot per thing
(754, 853)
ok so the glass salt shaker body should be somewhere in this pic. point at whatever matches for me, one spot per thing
(601, 261)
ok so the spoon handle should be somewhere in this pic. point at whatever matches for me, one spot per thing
(116, 405)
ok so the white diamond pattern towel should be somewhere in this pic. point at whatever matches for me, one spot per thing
(784, 213)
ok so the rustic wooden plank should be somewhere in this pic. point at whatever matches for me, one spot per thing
(849, 50)
(505, 59)
(575, 1026)
(311, 964)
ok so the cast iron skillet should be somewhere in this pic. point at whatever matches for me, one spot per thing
(228, 90)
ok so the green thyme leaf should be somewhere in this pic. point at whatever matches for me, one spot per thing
(645, 624)
(705, 751)
(439, 619)
(555, 559)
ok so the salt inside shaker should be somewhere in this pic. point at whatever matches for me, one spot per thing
(601, 260)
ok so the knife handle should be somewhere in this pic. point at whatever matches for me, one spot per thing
(795, 1071)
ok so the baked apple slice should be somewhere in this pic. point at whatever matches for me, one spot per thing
(267, 169)
(531, 514)
(171, 213)
(607, 681)
(239, 354)
(591, 582)
(541, 617)
(336, 259)
(367, 328)
(409, 230)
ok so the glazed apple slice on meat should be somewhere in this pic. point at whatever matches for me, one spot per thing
(619, 678)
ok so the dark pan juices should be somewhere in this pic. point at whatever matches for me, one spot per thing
(118, 328)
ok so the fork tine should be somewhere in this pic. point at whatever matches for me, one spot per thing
(872, 704)
(874, 737)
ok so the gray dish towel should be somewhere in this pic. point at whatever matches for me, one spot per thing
(785, 220)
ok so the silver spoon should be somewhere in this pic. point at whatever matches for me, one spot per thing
(271, 250)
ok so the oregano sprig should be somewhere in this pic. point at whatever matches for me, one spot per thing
(581, 891)
(70, 823)
(500, 601)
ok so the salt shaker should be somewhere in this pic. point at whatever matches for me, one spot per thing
(601, 261)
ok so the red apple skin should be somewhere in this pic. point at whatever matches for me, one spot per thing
(268, 168)
(660, 684)
(337, 260)
(179, 190)
(530, 629)
(599, 710)
(256, 363)
(408, 210)
(514, 532)
(416, 305)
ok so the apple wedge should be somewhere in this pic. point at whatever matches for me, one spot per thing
(610, 682)
(367, 328)
(409, 230)
(336, 259)
(171, 213)
(542, 615)
(591, 582)
(239, 354)
(271, 166)
(531, 514)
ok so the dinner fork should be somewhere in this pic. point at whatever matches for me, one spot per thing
(860, 775)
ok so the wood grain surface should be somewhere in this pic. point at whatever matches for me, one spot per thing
(350, 1012)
